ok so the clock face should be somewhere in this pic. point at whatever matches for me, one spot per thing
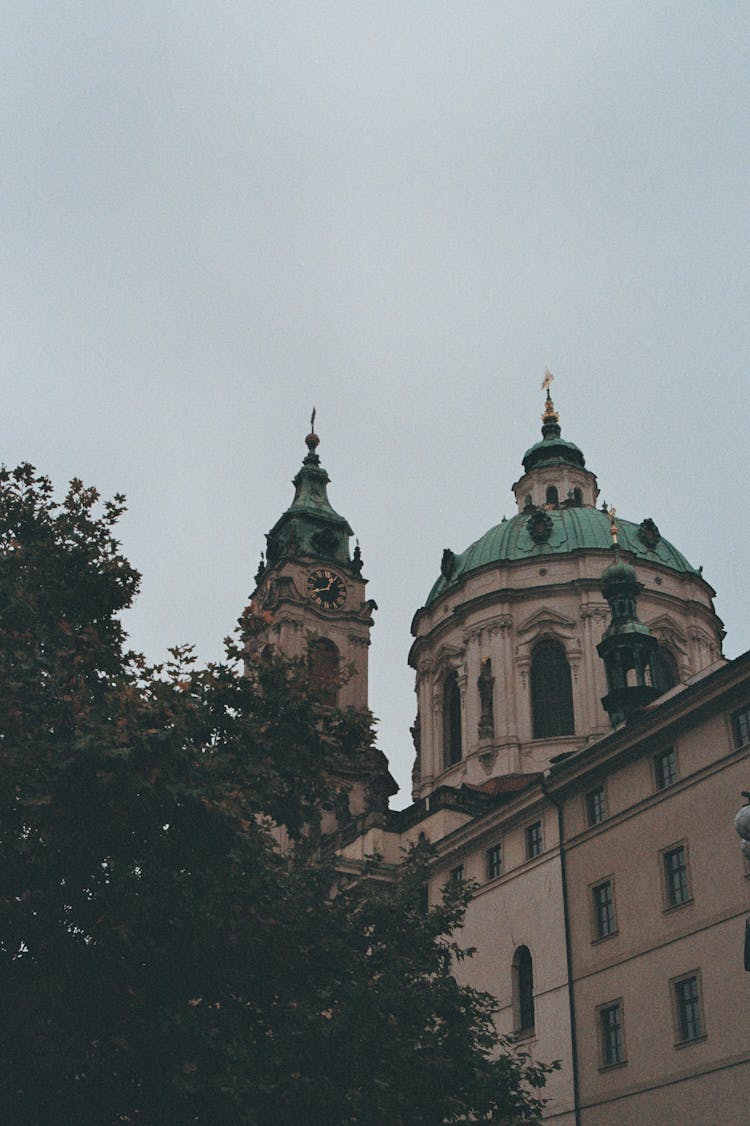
(326, 589)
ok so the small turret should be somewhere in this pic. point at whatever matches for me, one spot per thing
(628, 647)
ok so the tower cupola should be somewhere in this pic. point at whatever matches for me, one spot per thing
(555, 473)
(310, 528)
(628, 647)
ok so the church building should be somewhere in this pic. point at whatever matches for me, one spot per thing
(581, 749)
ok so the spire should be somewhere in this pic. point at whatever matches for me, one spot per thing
(628, 647)
(553, 449)
(310, 528)
(550, 417)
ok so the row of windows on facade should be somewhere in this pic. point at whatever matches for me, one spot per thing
(676, 883)
(676, 891)
(665, 774)
(686, 1006)
(687, 1016)
(551, 698)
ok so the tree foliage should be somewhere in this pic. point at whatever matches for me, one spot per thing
(162, 961)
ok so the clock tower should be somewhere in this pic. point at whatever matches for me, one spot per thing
(312, 589)
(312, 594)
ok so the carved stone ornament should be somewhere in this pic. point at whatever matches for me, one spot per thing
(648, 533)
(539, 526)
(447, 563)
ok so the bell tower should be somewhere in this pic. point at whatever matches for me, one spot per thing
(312, 589)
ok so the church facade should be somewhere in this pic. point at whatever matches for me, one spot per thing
(581, 746)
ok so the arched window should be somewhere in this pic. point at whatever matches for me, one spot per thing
(552, 496)
(324, 670)
(666, 669)
(551, 691)
(451, 720)
(523, 991)
(577, 497)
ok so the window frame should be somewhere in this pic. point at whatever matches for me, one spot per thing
(527, 839)
(739, 719)
(664, 854)
(553, 712)
(453, 735)
(523, 992)
(457, 875)
(657, 761)
(596, 916)
(494, 860)
(677, 1012)
(615, 1005)
(600, 788)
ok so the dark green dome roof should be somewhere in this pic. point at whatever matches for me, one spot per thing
(553, 450)
(570, 530)
(619, 573)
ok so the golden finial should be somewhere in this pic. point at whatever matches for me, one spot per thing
(550, 414)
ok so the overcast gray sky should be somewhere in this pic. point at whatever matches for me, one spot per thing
(217, 214)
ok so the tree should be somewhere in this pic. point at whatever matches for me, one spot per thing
(162, 960)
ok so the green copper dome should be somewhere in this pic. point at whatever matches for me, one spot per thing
(565, 530)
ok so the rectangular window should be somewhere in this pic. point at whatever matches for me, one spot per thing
(494, 861)
(688, 1009)
(741, 727)
(457, 874)
(533, 840)
(596, 805)
(611, 1032)
(676, 876)
(604, 909)
(665, 769)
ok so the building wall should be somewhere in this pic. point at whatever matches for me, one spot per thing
(655, 943)
(520, 907)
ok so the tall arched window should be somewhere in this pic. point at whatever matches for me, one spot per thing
(552, 495)
(324, 670)
(451, 720)
(551, 691)
(523, 991)
(665, 668)
(577, 497)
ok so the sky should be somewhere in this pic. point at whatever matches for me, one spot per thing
(215, 216)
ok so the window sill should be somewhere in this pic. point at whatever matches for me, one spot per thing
(604, 938)
(613, 1066)
(688, 1043)
(525, 1033)
(677, 906)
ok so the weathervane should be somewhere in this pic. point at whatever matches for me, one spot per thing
(312, 421)
(548, 377)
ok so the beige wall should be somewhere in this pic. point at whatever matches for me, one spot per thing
(692, 1083)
